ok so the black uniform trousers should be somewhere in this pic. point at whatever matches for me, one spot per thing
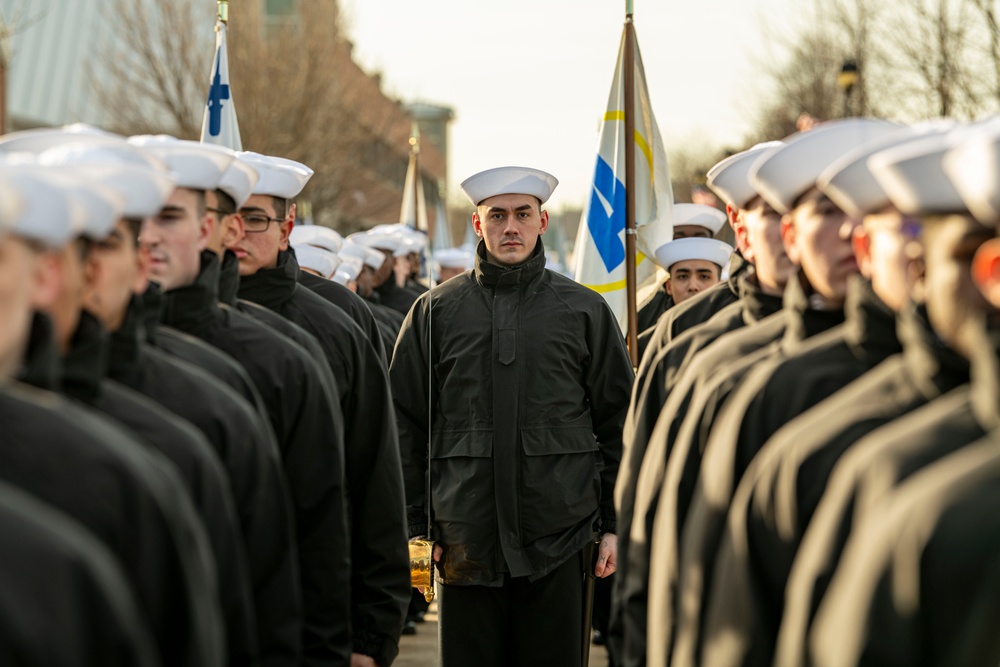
(521, 623)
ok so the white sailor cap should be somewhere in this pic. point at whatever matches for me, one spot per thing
(387, 242)
(783, 174)
(141, 179)
(373, 258)
(730, 178)
(406, 246)
(319, 260)
(400, 229)
(973, 168)
(102, 205)
(317, 235)
(509, 180)
(349, 269)
(913, 177)
(11, 205)
(279, 177)
(454, 258)
(195, 165)
(239, 181)
(42, 138)
(710, 250)
(50, 213)
(849, 182)
(700, 215)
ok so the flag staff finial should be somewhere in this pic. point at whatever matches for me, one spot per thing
(628, 9)
(224, 11)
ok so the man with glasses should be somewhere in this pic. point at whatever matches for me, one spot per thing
(304, 416)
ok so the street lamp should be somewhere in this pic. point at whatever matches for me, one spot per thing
(846, 80)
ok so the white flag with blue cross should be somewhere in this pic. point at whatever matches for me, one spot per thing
(219, 125)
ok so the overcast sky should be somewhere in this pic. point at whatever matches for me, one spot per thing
(529, 79)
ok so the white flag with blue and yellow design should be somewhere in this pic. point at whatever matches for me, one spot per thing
(219, 125)
(599, 253)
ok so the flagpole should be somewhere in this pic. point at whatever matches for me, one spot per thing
(630, 232)
(224, 11)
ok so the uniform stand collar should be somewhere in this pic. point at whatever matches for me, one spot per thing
(229, 279)
(986, 382)
(804, 321)
(194, 307)
(870, 324)
(757, 304)
(493, 275)
(86, 363)
(41, 366)
(272, 287)
(124, 350)
(934, 368)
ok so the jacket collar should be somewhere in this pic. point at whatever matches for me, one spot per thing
(870, 325)
(986, 382)
(933, 367)
(804, 321)
(41, 366)
(757, 304)
(194, 307)
(494, 275)
(272, 287)
(86, 363)
(126, 343)
(229, 279)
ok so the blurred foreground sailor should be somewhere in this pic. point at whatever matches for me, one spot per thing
(128, 495)
(529, 389)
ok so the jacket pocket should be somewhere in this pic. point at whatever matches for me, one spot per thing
(560, 479)
(462, 498)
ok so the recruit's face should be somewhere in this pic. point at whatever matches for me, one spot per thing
(690, 277)
(20, 274)
(885, 248)
(217, 222)
(175, 238)
(116, 270)
(760, 225)
(385, 271)
(953, 302)
(691, 232)
(266, 234)
(510, 226)
(817, 236)
(363, 285)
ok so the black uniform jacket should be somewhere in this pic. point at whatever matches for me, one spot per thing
(647, 403)
(824, 365)
(81, 375)
(195, 351)
(59, 581)
(245, 445)
(919, 581)
(309, 429)
(353, 305)
(730, 445)
(395, 297)
(380, 587)
(925, 371)
(530, 386)
(928, 426)
(653, 307)
(132, 499)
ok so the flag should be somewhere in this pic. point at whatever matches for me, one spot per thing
(413, 212)
(219, 125)
(442, 232)
(599, 252)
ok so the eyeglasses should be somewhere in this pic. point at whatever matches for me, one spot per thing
(256, 223)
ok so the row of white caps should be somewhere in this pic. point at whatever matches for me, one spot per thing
(79, 180)
(866, 165)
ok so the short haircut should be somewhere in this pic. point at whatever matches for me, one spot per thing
(226, 204)
(280, 207)
(200, 206)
